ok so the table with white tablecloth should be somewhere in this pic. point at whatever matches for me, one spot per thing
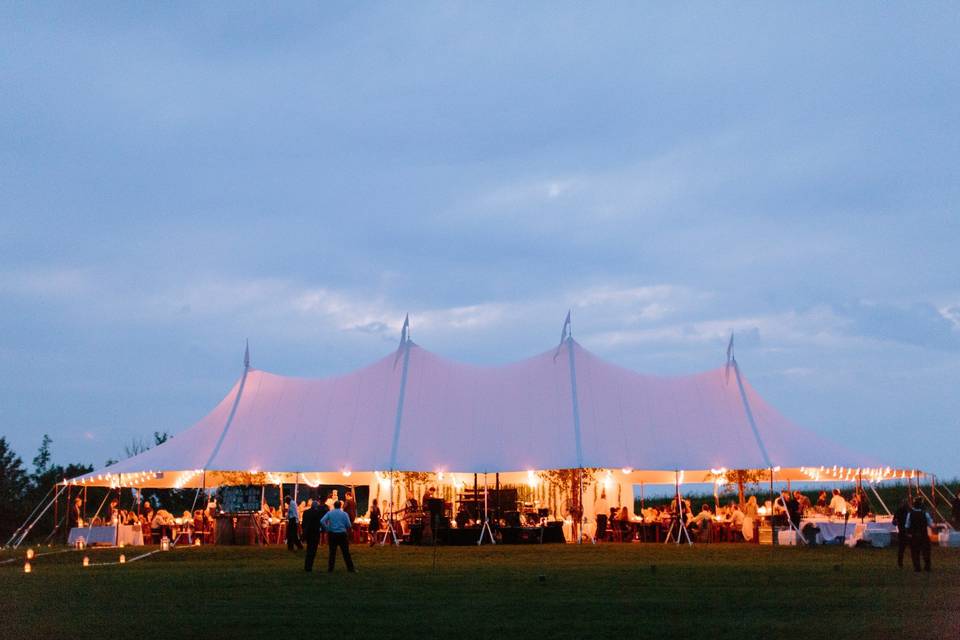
(124, 534)
(852, 531)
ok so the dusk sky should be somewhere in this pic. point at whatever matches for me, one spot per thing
(177, 178)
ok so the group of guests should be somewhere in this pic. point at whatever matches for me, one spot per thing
(331, 517)
(154, 523)
(790, 506)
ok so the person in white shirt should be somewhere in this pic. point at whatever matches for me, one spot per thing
(838, 505)
(331, 499)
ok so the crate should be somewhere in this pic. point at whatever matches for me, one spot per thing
(765, 536)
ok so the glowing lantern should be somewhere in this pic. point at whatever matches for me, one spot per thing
(196, 542)
(123, 559)
(30, 554)
(86, 561)
(27, 568)
(164, 543)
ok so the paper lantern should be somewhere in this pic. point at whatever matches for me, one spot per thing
(30, 554)
(86, 561)
(27, 568)
(164, 543)
(123, 559)
(196, 542)
(81, 543)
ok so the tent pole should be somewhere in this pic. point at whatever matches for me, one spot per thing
(67, 510)
(56, 510)
(773, 523)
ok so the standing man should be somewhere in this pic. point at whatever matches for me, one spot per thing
(917, 525)
(955, 505)
(311, 531)
(337, 525)
(350, 506)
(293, 522)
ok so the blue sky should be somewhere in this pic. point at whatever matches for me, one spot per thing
(177, 178)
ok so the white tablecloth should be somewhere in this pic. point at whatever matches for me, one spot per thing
(127, 534)
(832, 529)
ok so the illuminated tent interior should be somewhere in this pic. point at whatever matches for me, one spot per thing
(414, 411)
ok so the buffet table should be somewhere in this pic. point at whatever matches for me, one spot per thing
(123, 534)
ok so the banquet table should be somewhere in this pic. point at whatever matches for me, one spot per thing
(123, 534)
(878, 533)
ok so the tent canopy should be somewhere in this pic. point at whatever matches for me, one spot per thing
(415, 411)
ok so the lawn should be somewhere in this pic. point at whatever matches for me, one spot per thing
(633, 591)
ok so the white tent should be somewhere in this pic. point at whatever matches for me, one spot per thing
(415, 411)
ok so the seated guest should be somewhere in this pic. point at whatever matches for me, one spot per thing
(838, 506)
(804, 502)
(862, 505)
(700, 523)
(791, 508)
(736, 517)
(624, 520)
(822, 500)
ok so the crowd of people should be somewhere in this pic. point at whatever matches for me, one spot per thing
(154, 524)
(788, 509)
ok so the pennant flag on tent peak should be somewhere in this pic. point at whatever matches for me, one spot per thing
(404, 338)
(246, 356)
(730, 358)
(564, 334)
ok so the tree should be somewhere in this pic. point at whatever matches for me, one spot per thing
(14, 484)
(743, 477)
(42, 460)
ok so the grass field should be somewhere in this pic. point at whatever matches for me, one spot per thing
(633, 591)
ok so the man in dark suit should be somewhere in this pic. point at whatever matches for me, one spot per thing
(311, 531)
(918, 525)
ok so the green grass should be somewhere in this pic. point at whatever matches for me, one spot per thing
(634, 591)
